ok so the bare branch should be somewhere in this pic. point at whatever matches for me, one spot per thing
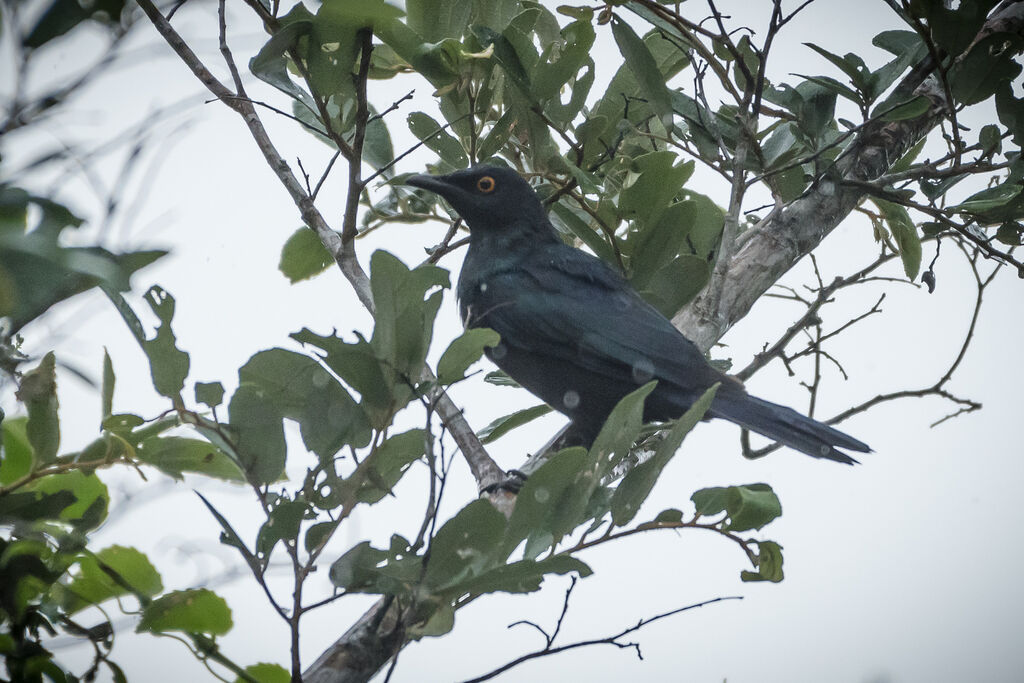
(615, 640)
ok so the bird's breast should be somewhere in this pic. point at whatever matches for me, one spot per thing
(478, 296)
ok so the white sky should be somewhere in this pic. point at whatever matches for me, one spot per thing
(901, 569)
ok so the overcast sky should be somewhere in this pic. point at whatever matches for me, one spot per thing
(901, 569)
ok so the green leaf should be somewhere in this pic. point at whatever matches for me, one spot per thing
(436, 138)
(435, 618)
(898, 42)
(1010, 110)
(788, 184)
(669, 516)
(905, 161)
(552, 502)
(1011, 234)
(432, 63)
(850, 64)
(501, 426)
(463, 352)
(38, 271)
(24, 506)
(231, 538)
(620, 429)
(573, 52)
(168, 364)
(817, 108)
(769, 563)
(378, 151)
(362, 13)
(747, 507)
(332, 53)
(266, 673)
(954, 29)
(210, 393)
(706, 231)
(524, 576)
(567, 220)
(270, 64)
(624, 99)
(909, 50)
(364, 569)
(435, 20)
(28, 567)
(513, 50)
(652, 185)
(299, 388)
(836, 87)
(645, 69)
(38, 391)
(334, 45)
(903, 230)
(465, 546)
(91, 497)
(16, 456)
(404, 320)
(782, 146)
(990, 139)
(64, 15)
(360, 367)
(122, 424)
(938, 188)
(113, 571)
(387, 463)
(107, 387)
(990, 198)
(303, 256)
(356, 570)
(674, 285)
(497, 136)
(908, 110)
(175, 455)
(193, 611)
(317, 534)
(283, 524)
(752, 507)
(564, 114)
(260, 443)
(500, 378)
(638, 483)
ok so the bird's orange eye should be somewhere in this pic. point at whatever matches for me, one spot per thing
(485, 184)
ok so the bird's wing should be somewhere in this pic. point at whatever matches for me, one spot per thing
(569, 305)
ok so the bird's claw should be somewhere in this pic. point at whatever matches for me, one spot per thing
(512, 483)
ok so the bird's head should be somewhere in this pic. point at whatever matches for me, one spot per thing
(489, 198)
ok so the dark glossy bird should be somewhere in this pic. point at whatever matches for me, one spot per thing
(577, 335)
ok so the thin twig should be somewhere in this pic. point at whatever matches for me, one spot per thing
(609, 640)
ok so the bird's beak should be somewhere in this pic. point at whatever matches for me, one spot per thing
(433, 183)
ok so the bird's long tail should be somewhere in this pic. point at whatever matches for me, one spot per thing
(787, 426)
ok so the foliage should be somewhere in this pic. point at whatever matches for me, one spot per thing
(514, 85)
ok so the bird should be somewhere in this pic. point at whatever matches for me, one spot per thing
(575, 333)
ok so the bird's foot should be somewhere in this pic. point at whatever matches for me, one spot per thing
(513, 481)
